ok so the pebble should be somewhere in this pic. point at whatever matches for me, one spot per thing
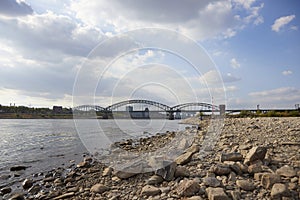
(99, 188)
(27, 183)
(216, 194)
(231, 157)
(184, 158)
(187, 188)
(286, 171)
(155, 179)
(268, 180)
(279, 190)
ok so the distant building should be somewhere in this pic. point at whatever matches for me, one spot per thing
(57, 109)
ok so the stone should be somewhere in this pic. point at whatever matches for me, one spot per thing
(211, 181)
(236, 168)
(231, 157)
(17, 196)
(255, 153)
(183, 144)
(194, 198)
(235, 195)
(124, 174)
(245, 185)
(167, 172)
(187, 188)
(5, 190)
(34, 189)
(184, 158)
(27, 183)
(18, 168)
(193, 149)
(242, 167)
(216, 194)
(83, 164)
(220, 169)
(268, 180)
(65, 196)
(107, 171)
(286, 171)
(99, 188)
(279, 190)
(150, 190)
(181, 171)
(255, 167)
(155, 179)
(258, 176)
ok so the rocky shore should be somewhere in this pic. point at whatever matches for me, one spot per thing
(255, 158)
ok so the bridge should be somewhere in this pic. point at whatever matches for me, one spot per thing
(144, 110)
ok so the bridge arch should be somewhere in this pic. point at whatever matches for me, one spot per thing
(204, 106)
(138, 101)
(88, 108)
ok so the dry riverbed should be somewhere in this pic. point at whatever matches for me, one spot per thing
(255, 158)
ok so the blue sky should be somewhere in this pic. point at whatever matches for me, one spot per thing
(254, 44)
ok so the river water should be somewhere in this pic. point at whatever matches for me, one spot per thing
(43, 144)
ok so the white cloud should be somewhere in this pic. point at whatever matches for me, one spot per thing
(234, 63)
(287, 72)
(281, 22)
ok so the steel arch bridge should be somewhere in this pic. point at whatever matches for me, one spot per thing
(203, 106)
(138, 101)
(87, 108)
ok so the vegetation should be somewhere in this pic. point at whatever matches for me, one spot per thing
(272, 113)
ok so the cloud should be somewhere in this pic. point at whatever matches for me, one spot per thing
(14, 8)
(287, 72)
(234, 63)
(198, 19)
(281, 22)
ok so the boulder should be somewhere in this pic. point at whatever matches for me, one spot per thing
(187, 188)
(150, 190)
(216, 194)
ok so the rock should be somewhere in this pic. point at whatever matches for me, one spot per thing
(194, 198)
(181, 171)
(255, 167)
(231, 157)
(187, 188)
(235, 195)
(27, 183)
(183, 144)
(17, 196)
(5, 190)
(124, 175)
(99, 188)
(184, 158)
(211, 181)
(83, 164)
(193, 149)
(216, 194)
(150, 190)
(268, 180)
(155, 179)
(258, 176)
(64, 196)
(279, 190)
(256, 153)
(245, 185)
(18, 168)
(34, 189)
(286, 171)
(242, 167)
(236, 168)
(107, 171)
(220, 169)
(168, 171)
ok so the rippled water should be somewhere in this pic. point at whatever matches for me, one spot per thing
(43, 144)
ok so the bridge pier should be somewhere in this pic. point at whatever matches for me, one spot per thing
(171, 115)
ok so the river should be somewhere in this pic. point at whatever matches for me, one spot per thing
(42, 144)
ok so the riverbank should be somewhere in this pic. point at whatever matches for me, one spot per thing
(255, 158)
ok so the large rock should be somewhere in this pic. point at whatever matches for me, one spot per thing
(181, 171)
(231, 157)
(211, 181)
(220, 170)
(184, 158)
(245, 185)
(286, 171)
(268, 180)
(155, 179)
(187, 188)
(150, 190)
(99, 188)
(27, 183)
(256, 153)
(168, 171)
(216, 194)
(279, 190)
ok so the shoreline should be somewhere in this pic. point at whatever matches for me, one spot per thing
(227, 171)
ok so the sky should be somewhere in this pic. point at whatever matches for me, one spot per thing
(242, 53)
